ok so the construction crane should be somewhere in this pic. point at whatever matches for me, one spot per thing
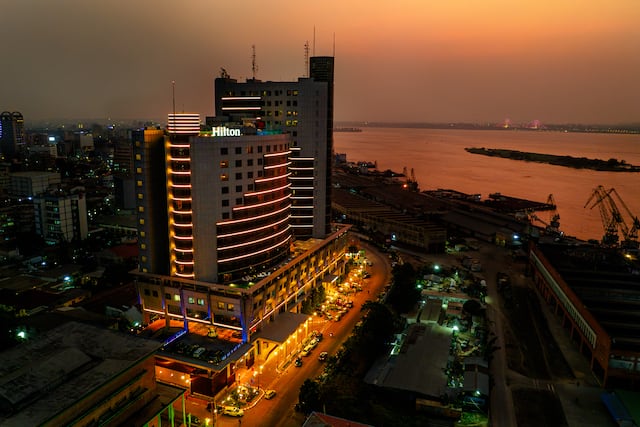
(630, 233)
(411, 183)
(600, 197)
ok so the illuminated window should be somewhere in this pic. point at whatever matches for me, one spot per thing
(139, 183)
(138, 170)
(230, 307)
(141, 221)
(191, 300)
(143, 246)
(250, 149)
(176, 297)
(224, 164)
(200, 301)
(224, 177)
(139, 196)
(143, 234)
(138, 157)
(137, 143)
(140, 208)
(220, 305)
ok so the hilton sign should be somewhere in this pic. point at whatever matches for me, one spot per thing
(225, 131)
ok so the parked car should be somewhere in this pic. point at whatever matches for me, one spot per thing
(232, 411)
(323, 356)
(298, 362)
(269, 394)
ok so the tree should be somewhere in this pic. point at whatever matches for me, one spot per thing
(404, 293)
(309, 397)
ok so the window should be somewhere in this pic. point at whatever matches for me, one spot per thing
(155, 293)
(238, 175)
(167, 296)
(225, 215)
(224, 151)
(239, 163)
(249, 174)
(138, 170)
(140, 196)
(224, 164)
(143, 234)
(200, 301)
(250, 187)
(191, 300)
(259, 161)
(176, 297)
(239, 201)
(260, 174)
(220, 305)
(250, 149)
(230, 307)
(249, 162)
(146, 292)
(138, 157)
(225, 190)
(139, 183)
(238, 188)
(268, 148)
(225, 202)
(143, 246)
(238, 150)
(259, 148)
(141, 221)
(140, 208)
(224, 177)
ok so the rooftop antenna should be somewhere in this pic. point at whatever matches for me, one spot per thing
(314, 41)
(306, 58)
(254, 67)
(334, 45)
(173, 93)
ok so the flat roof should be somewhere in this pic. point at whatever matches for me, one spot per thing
(421, 366)
(41, 378)
(282, 327)
(607, 286)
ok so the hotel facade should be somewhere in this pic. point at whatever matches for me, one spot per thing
(234, 221)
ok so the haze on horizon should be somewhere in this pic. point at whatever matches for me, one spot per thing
(396, 61)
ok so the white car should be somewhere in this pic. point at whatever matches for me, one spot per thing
(233, 411)
(269, 394)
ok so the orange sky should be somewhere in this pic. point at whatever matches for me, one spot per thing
(449, 60)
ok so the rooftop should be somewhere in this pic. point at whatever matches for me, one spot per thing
(40, 378)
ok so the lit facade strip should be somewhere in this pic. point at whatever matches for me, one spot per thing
(301, 216)
(174, 145)
(273, 178)
(302, 188)
(253, 230)
(270, 202)
(279, 165)
(182, 224)
(280, 153)
(176, 211)
(257, 193)
(239, 245)
(240, 98)
(174, 172)
(179, 159)
(180, 185)
(301, 197)
(184, 262)
(182, 250)
(302, 169)
(256, 253)
(186, 276)
(238, 221)
(183, 237)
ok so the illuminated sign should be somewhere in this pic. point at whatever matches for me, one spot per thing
(224, 131)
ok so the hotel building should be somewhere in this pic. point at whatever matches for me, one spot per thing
(217, 244)
(303, 109)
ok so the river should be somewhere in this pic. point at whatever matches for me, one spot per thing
(439, 160)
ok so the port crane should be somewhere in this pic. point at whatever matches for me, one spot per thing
(411, 182)
(612, 218)
(553, 225)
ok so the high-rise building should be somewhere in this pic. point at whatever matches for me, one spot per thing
(227, 217)
(61, 217)
(303, 109)
(11, 133)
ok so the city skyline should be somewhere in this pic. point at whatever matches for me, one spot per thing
(410, 62)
